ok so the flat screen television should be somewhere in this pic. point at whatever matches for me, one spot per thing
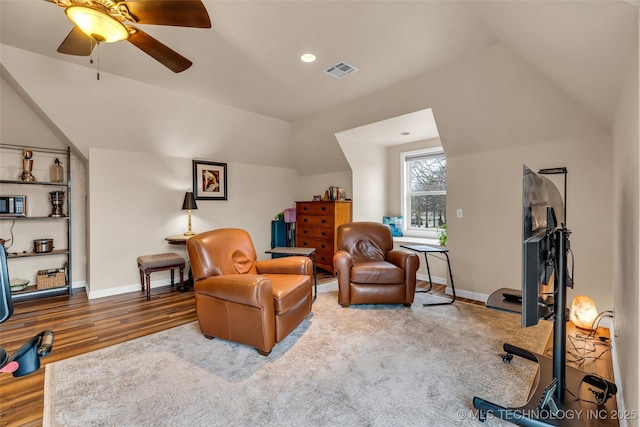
(542, 213)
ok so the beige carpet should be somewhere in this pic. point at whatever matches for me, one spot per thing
(357, 366)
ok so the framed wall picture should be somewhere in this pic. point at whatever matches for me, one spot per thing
(209, 180)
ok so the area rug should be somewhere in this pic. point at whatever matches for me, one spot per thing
(366, 365)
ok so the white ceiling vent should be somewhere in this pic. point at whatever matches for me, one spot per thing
(340, 70)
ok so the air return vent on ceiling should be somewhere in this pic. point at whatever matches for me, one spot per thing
(340, 70)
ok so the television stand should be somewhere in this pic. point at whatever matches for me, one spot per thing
(556, 381)
(541, 407)
(510, 300)
(512, 296)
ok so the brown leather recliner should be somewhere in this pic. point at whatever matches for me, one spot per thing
(369, 270)
(257, 303)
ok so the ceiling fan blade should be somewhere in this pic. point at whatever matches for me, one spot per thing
(178, 13)
(160, 52)
(77, 43)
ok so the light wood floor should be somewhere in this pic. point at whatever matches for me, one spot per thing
(83, 325)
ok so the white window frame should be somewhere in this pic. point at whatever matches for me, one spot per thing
(429, 233)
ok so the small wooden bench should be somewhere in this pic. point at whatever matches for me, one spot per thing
(158, 262)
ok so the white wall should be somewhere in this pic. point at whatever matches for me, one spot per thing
(369, 170)
(626, 216)
(102, 117)
(489, 100)
(21, 126)
(130, 211)
(494, 112)
(487, 241)
(136, 202)
(315, 185)
(119, 114)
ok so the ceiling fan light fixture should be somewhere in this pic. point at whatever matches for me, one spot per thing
(97, 24)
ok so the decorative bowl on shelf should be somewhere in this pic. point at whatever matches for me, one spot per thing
(18, 284)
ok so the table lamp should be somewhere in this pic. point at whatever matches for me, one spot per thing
(188, 204)
(583, 312)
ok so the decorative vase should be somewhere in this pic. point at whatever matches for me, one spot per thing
(57, 172)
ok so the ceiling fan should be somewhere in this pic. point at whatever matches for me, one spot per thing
(98, 21)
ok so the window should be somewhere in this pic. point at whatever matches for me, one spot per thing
(424, 189)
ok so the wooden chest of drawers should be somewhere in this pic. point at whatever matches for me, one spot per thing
(316, 227)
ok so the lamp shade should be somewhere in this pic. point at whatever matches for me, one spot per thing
(189, 201)
(97, 24)
(583, 312)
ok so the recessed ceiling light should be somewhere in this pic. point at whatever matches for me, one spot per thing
(308, 57)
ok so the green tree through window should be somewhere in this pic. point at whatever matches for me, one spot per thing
(425, 189)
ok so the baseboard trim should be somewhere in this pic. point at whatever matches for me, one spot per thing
(434, 279)
(127, 289)
(78, 285)
(617, 377)
(476, 296)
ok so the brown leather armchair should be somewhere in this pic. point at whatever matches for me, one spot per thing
(257, 303)
(369, 270)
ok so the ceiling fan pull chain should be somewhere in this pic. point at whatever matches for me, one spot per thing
(98, 63)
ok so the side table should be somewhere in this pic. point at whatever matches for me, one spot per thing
(308, 252)
(426, 250)
(181, 239)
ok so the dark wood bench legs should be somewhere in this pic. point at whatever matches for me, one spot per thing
(145, 278)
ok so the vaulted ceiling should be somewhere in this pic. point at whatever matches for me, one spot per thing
(250, 58)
